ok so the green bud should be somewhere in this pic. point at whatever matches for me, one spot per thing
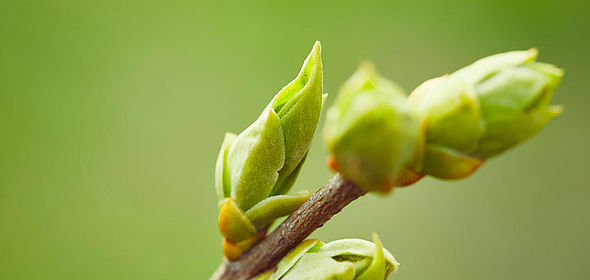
(377, 269)
(288, 261)
(483, 109)
(370, 131)
(320, 267)
(255, 159)
(345, 259)
(222, 185)
(266, 211)
(256, 168)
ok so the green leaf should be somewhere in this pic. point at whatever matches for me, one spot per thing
(503, 134)
(377, 269)
(268, 210)
(512, 91)
(288, 261)
(299, 105)
(310, 71)
(490, 65)
(444, 163)
(222, 180)
(255, 158)
(360, 263)
(358, 248)
(453, 116)
(315, 266)
(285, 183)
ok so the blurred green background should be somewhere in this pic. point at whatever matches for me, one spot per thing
(112, 114)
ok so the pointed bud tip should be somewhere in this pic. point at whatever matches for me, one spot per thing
(229, 136)
(376, 239)
(367, 66)
(553, 71)
(555, 110)
(317, 48)
(534, 52)
(317, 44)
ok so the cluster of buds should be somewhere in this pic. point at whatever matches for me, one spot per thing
(257, 168)
(446, 128)
(345, 259)
(378, 138)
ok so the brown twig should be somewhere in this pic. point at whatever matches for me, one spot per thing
(317, 210)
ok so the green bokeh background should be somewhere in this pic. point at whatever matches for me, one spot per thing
(112, 113)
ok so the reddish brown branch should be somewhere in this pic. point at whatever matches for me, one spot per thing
(320, 207)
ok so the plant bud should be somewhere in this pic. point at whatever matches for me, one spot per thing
(256, 168)
(370, 131)
(345, 259)
(482, 110)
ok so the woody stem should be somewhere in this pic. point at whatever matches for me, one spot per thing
(318, 209)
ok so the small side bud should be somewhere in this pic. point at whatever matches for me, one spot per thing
(345, 259)
(370, 131)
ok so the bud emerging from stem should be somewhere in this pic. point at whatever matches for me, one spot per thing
(345, 259)
(483, 110)
(370, 131)
(256, 168)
